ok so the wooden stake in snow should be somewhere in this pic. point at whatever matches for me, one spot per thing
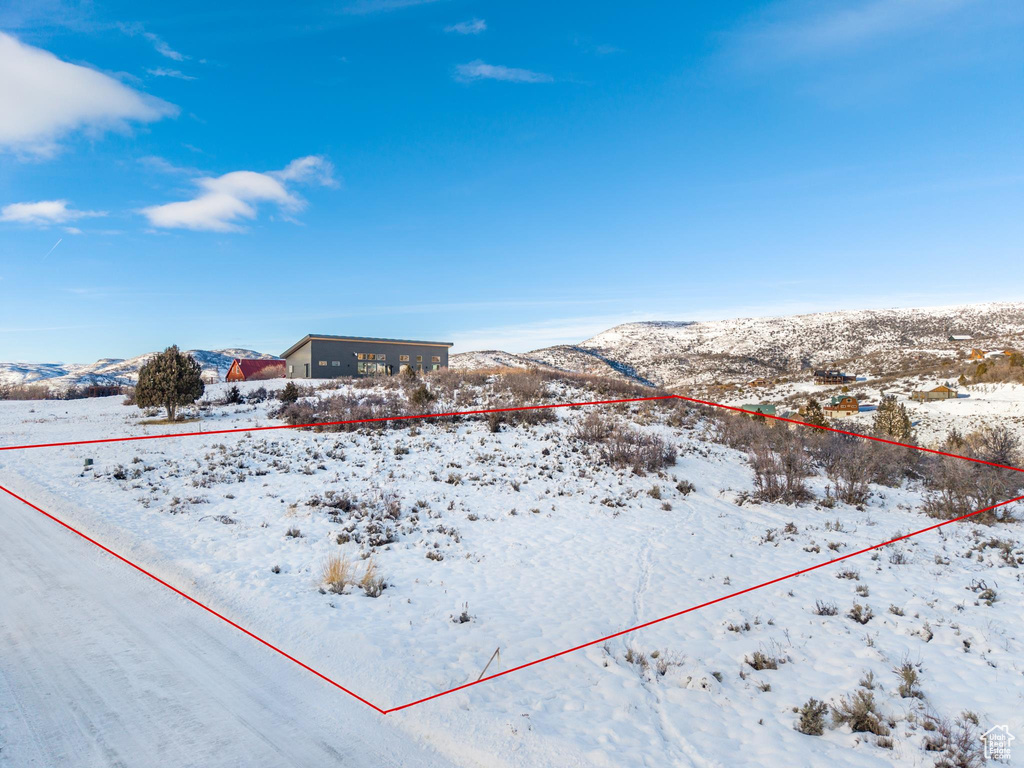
(497, 653)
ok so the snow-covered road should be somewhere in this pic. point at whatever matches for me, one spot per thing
(99, 666)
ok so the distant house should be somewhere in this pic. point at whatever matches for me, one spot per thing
(762, 408)
(959, 337)
(842, 406)
(759, 382)
(976, 354)
(255, 370)
(941, 392)
(830, 376)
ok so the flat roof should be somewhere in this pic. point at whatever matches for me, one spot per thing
(328, 337)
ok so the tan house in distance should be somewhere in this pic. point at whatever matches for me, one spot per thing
(941, 392)
(841, 407)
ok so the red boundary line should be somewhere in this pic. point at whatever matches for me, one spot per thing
(481, 411)
(502, 410)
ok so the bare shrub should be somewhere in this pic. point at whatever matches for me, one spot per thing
(861, 614)
(812, 717)
(958, 741)
(27, 392)
(859, 711)
(592, 428)
(372, 582)
(910, 681)
(760, 660)
(685, 487)
(958, 487)
(825, 609)
(628, 447)
(780, 472)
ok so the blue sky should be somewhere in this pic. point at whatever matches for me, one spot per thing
(497, 174)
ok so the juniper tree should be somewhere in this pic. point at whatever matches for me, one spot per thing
(169, 380)
(290, 393)
(813, 414)
(891, 419)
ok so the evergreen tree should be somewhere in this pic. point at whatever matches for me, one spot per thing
(169, 380)
(289, 394)
(892, 420)
(233, 397)
(813, 414)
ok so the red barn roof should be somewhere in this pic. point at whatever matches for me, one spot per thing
(256, 369)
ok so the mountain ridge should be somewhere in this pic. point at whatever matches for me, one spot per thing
(688, 353)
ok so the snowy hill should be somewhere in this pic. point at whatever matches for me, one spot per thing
(111, 370)
(687, 353)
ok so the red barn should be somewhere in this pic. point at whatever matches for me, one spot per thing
(254, 370)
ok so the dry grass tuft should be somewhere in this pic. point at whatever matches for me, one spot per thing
(337, 573)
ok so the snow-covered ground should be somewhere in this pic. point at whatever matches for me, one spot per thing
(100, 667)
(525, 540)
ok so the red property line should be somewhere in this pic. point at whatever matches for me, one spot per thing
(191, 599)
(621, 632)
(505, 410)
(335, 423)
(851, 434)
(693, 608)
(500, 410)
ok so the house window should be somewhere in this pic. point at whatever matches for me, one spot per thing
(291, 370)
(403, 358)
(435, 359)
(419, 358)
(322, 363)
(336, 363)
(435, 367)
(381, 357)
(361, 356)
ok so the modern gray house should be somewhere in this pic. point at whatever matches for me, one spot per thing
(319, 356)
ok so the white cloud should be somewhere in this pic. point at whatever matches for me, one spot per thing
(313, 168)
(44, 213)
(163, 48)
(479, 70)
(159, 45)
(843, 25)
(362, 7)
(474, 27)
(164, 72)
(43, 99)
(224, 200)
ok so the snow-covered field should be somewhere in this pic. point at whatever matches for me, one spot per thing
(525, 540)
